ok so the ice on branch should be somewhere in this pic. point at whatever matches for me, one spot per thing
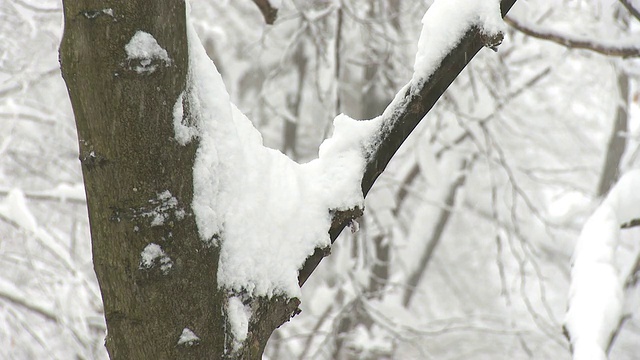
(444, 25)
(267, 213)
(144, 54)
(596, 292)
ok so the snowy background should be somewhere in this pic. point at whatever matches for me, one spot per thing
(466, 245)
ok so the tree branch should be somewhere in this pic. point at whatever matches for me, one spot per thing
(443, 219)
(268, 12)
(630, 224)
(629, 284)
(576, 43)
(632, 10)
(618, 140)
(404, 117)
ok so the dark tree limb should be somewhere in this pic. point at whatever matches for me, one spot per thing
(630, 224)
(574, 43)
(632, 9)
(617, 140)
(634, 275)
(269, 13)
(404, 117)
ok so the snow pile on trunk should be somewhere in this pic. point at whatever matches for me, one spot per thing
(596, 292)
(266, 212)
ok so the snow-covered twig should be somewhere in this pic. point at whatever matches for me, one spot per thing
(596, 294)
(570, 41)
(631, 8)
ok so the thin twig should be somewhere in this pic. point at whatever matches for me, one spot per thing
(566, 40)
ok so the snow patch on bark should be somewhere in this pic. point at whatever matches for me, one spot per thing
(153, 255)
(188, 338)
(238, 316)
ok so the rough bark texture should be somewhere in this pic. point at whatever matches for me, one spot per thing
(129, 160)
(129, 157)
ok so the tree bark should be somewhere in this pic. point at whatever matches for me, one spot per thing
(129, 160)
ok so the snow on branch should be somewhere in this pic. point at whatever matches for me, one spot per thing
(445, 24)
(63, 193)
(612, 48)
(269, 214)
(274, 219)
(596, 292)
(453, 32)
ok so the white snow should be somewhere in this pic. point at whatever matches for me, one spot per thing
(152, 255)
(164, 206)
(184, 133)
(276, 4)
(188, 337)
(270, 212)
(238, 316)
(596, 292)
(142, 50)
(14, 208)
(66, 192)
(444, 25)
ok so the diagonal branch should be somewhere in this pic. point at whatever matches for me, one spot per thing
(436, 236)
(632, 9)
(269, 12)
(14, 295)
(612, 49)
(630, 224)
(404, 116)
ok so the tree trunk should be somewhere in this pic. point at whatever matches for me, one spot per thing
(158, 279)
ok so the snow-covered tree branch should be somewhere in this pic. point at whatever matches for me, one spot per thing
(621, 48)
(596, 296)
